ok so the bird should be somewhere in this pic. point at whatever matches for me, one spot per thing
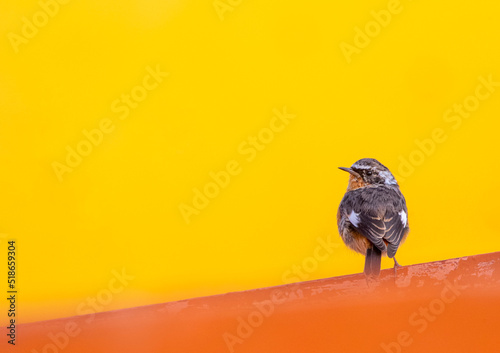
(372, 217)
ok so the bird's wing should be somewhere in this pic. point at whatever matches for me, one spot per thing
(396, 223)
(372, 226)
(358, 214)
(378, 214)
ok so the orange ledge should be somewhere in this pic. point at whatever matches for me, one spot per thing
(444, 306)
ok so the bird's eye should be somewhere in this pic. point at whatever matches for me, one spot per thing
(369, 173)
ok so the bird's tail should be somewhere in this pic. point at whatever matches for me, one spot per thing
(372, 261)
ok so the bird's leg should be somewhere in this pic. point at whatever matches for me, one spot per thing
(396, 265)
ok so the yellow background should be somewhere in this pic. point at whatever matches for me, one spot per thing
(119, 209)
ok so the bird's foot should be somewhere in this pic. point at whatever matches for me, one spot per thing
(396, 265)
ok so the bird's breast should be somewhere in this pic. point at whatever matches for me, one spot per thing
(355, 183)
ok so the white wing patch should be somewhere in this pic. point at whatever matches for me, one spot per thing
(354, 218)
(389, 179)
(403, 216)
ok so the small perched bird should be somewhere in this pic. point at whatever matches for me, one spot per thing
(372, 216)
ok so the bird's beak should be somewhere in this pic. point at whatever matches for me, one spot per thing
(352, 172)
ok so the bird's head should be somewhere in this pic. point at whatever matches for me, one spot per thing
(369, 171)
